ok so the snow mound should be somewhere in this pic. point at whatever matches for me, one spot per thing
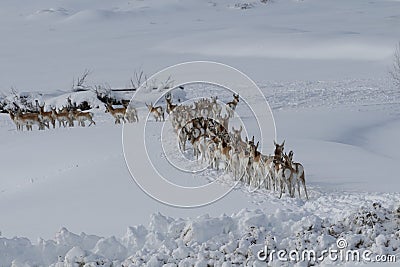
(93, 15)
(234, 239)
(49, 13)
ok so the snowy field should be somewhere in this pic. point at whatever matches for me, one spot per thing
(67, 197)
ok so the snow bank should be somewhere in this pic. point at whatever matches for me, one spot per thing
(215, 241)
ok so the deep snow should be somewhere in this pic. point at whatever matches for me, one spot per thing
(82, 172)
(322, 66)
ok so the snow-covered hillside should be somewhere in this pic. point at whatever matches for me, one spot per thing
(322, 66)
(76, 178)
(46, 43)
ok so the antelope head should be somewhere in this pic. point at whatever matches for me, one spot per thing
(12, 114)
(168, 97)
(290, 155)
(279, 148)
(287, 160)
(150, 107)
(237, 133)
(107, 108)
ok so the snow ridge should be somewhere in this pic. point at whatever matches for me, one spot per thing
(219, 241)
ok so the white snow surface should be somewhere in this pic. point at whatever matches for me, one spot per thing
(323, 68)
(77, 178)
(47, 43)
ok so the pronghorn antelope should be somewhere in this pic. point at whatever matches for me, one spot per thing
(278, 153)
(117, 113)
(199, 146)
(183, 136)
(211, 151)
(237, 134)
(231, 106)
(205, 107)
(29, 119)
(298, 174)
(223, 121)
(81, 117)
(157, 112)
(276, 164)
(62, 117)
(14, 119)
(237, 138)
(245, 164)
(257, 164)
(191, 130)
(170, 106)
(252, 163)
(284, 176)
(235, 162)
(224, 153)
(216, 107)
(131, 114)
(269, 178)
(47, 116)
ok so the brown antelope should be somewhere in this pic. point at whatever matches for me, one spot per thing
(235, 162)
(131, 114)
(216, 107)
(278, 153)
(170, 106)
(231, 106)
(47, 116)
(211, 151)
(157, 112)
(224, 153)
(268, 166)
(284, 175)
(183, 135)
(224, 122)
(117, 113)
(81, 117)
(29, 119)
(257, 164)
(245, 162)
(15, 120)
(199, 146)
(297, 173)
(269, 178)
(252, 163)
(237, 138)
(62, 117)
(277, 164)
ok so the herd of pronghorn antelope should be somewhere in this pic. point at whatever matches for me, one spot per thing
(202, 125)
(207, 131)
(66, 116)
(44, 119)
